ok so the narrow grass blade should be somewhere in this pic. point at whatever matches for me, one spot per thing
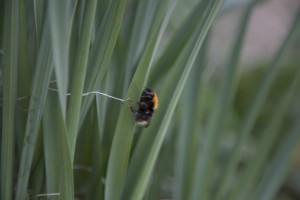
(102, 50)
(81, 59)
(206, 162)
(279, 166)
(37, 178)
(251, 174)
(144, 175)
(38, 151)
(138, 39)
(9, 97)
(39, 16)
(224, 101)
(121, 145)
(260, 97)
(76, 23)
(96, 185)
(162, 169)
(38, 97)
(177, 42)
(24, 79)
(58, 163)
(2, 13)
(31, 38)
(188, 138)
(84, 153)
(59, 14)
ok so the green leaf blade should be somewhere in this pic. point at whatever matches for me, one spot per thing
(58, 163)
(9, 98)
(118, 160)
(73, 114)
(36, 107)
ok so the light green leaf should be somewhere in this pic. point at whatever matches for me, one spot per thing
(58, 163)
(122, 141)
(77, 82)
(174, 90)
(102, 50)
(37, 100)
(59, 16)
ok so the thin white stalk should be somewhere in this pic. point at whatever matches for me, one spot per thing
(95, 92)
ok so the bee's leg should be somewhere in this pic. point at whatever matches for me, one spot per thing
(130, 104)
(135, 113)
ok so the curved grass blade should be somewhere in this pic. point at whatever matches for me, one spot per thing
(146, 140)
(121, 145)
(102, 50)
(9, 96)
(145, 172)
(24, 79)
(96, 186)
(251, 175)
(39, 17)
(260, 97)
(174, 48)
(37, 178)
(224, 100)
(137, 39)
(162, 168)
(188, 140)
(59, 15)
(38, 97)
(58, 163)
(81, 60)
(274, 177)
(76, 23)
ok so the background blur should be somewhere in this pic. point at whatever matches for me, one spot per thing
(226, 74)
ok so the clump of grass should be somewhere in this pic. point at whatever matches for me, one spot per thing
(88, 146)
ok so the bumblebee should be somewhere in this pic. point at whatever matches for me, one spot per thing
(146, 106)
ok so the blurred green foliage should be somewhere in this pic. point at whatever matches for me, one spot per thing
(222, 135)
